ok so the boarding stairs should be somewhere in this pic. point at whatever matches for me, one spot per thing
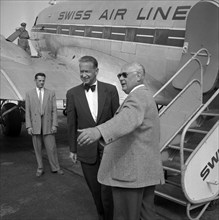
(189, 144)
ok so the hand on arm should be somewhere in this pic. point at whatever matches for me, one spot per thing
(88, 136)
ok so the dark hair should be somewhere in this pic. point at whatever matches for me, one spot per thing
(91, 59)
(23, 24)
(40, 74)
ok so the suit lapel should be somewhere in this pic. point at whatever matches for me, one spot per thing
(45, 98)
(101, 99)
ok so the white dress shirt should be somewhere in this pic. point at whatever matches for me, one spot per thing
(92, 99)
(38, 92)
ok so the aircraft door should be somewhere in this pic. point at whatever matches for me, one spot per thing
(201, 32)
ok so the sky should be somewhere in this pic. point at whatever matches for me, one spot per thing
(14, 12)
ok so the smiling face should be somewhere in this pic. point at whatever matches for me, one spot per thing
(88, 72)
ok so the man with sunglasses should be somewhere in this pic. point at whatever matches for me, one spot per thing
(131, 162)
(88, 105)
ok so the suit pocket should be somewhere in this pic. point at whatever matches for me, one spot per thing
(124, 168)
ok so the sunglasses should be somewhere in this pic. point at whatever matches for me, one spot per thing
(124, 74)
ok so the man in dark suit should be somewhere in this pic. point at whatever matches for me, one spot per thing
(89, 104)
(41, 123)
(131, 162)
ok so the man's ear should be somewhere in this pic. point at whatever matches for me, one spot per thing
(139, 76)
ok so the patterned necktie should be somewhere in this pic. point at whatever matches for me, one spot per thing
(87, 87)
(41, 101)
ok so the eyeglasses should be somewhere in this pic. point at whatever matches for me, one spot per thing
(124, 74)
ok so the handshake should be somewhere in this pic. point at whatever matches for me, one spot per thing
(88, 136)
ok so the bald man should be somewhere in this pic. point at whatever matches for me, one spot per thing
(131, 162)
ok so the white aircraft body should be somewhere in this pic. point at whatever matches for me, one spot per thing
(176, 41)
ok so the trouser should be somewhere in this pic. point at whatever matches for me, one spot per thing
(134, 203)
(102, 194)
(50, 145)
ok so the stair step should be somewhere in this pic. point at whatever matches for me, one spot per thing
(173, 162)
(172, 166)
(172, 193)
(200, 130)
(211, 112)
(187, 147)
(174, 180)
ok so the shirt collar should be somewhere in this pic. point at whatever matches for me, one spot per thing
(94, 84)
(37, 89)
(136, 87)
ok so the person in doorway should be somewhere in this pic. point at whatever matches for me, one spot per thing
(41, 123)
(89, 104)
(131, 162)
(23, 38)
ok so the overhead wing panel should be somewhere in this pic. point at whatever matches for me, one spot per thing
(18, 77)
(60, 76)
(62, 72)
(6, 89)
(18, 71)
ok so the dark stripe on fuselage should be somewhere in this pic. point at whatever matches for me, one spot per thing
(167, 37)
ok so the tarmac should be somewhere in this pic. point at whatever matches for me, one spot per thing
(24, 197)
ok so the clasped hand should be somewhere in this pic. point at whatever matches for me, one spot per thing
(88, 136)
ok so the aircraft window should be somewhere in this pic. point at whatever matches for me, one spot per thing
(161, 36)
(97, 32)
(176, 38)
(79, 30)
(118, 33)
(50, 28)
(64, 29)
(72, 30)
(171, 37)
(144, 35)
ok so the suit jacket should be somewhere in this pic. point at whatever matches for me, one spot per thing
(79, 116)
(131, 158)
(32, 111)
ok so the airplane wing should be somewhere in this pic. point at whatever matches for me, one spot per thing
(18, 70)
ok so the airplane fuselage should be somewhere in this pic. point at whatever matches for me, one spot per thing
(149, 32)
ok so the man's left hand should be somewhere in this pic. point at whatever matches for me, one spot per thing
(88, 136)
(54, 129)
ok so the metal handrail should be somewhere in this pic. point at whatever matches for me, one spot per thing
(194, 57)
(173, 100)
(190, 123)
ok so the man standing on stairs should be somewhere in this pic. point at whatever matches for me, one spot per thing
(41, 123)
(131, 162)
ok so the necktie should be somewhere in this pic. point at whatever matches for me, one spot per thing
(41, 101)
(87, 87)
